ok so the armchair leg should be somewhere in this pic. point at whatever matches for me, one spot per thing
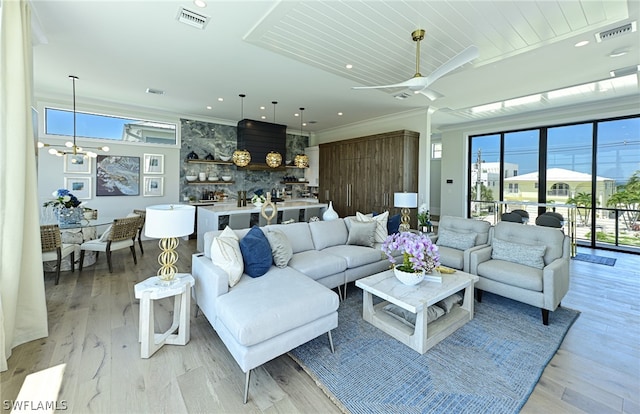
(246, 386)
(331, 342)
(478, 295)
(545, 316)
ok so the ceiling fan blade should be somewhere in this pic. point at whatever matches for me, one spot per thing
(431, 94)
(455, 62)
(415, 83)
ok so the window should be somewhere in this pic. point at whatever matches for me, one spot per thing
(513, 188)
(106, 127)
(436, 150)
(559, 189)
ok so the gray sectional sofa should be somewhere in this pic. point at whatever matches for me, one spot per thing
(261, 318)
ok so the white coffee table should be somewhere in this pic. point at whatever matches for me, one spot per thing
(417, 299)
(153, 289)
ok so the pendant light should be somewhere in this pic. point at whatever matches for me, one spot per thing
(274, 158)
(74, 149)
(301, 160)
(241, 158)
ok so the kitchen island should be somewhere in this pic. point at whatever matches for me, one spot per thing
(220, 215)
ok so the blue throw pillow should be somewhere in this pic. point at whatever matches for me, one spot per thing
(256, 252)
(393, 224)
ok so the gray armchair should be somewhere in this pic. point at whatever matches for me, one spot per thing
(458, 237)
(529, 264)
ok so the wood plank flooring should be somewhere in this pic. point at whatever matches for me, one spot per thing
(93, 328)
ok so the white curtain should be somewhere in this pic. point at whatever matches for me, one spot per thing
(23, 311)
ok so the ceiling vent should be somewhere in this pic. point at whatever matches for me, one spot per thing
(617, 32)
(402, 95)
(192, 18)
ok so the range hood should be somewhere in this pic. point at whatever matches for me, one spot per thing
(260, 138)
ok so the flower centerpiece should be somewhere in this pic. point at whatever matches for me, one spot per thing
(66, 206)
(419, 256)
(424, 218)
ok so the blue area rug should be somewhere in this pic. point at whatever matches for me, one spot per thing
(491, 364)
(592, 258)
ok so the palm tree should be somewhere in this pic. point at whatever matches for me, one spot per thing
(627, 198)
(583, 205)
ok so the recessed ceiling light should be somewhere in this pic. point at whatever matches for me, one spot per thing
(262, 108)
(339, 113)
(200, 3)
(349, 66)
(209, 107)
(582, 43)
(296, 114)
(263, 117)
(220, 99)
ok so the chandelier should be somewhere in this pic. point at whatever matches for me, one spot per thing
(71, 147)
(301, 160)
(274, 158)
(241, 158)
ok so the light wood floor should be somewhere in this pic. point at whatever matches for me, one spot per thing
(93, 328)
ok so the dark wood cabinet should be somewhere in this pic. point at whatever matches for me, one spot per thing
(362, 174)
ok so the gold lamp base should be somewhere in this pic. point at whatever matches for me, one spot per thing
(167, 259)
(404, 220)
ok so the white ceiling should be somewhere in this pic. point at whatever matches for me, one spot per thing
(295, 52)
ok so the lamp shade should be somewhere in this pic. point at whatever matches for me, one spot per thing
(169, 220)
(405, 200)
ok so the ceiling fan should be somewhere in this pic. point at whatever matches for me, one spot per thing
(419, 83)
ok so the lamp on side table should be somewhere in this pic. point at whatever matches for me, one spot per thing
(405, 201)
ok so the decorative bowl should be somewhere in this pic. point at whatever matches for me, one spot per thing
(213, 178)
(225, 157)
(226, 178)
(191, 177)
(301, 179)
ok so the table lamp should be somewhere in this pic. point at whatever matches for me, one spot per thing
(167, 222)
(405, 201)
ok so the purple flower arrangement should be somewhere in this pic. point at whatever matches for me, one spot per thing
(418, 252)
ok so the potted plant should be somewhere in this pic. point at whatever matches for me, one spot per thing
(424, 219)
(419, 256)
(66, 207)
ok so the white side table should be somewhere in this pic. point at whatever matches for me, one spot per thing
(153, 289)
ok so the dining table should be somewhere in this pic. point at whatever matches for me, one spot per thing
(77, 233)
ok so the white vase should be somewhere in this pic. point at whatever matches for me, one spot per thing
(330, 213)
(408, 278)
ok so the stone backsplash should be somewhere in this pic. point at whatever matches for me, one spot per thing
(206, 138)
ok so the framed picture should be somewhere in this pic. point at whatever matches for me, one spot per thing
(77, 164)
(153, 186)
(117, 175)
(79, 187)
(153, 164)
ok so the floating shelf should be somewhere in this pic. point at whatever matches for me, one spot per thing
(210, 162)
(294, 182)
(210, 182)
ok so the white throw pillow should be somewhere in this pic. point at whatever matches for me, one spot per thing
(280, 247)
(381, 224)
(226, 254)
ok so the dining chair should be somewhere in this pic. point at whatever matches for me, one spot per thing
(143, 214)
(512, 217)
(120, 235)
(54, 249)
(548, 220)
(522, 213)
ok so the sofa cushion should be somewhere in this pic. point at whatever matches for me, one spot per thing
(381, 224)
(451, 257)
(256, 252)
(514, 274)
(280, 247)
(317, 264)
(362, 233)
(393, 224)
(355, 256)
(298, 234)
(456, 240)
(328, 233)
(278, 302)
(525, 254)
(226, 254)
